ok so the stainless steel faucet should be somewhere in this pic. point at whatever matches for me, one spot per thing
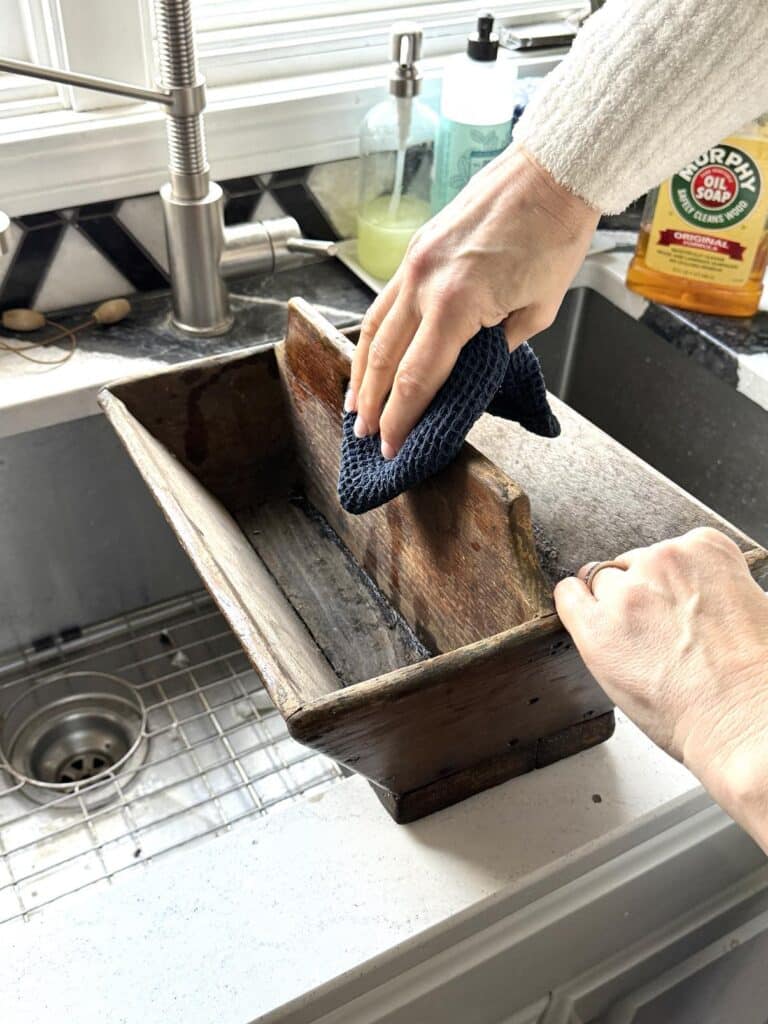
(200, 248)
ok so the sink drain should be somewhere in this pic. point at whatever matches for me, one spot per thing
(84, 766)
(67, 738)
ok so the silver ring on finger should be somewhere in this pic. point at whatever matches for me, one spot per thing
(598, 567)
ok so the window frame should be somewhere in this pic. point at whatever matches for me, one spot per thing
(78, 146)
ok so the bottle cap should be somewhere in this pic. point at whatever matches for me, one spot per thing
(483, 44)
(404, 50)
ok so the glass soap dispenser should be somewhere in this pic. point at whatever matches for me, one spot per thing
(397, 142)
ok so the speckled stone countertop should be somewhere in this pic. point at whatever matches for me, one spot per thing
(32, 396)
(717, 342)
(259, 304)
(733, 348)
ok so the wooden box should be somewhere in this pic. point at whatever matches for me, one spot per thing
(416, 644)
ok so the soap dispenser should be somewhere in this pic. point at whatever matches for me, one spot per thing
(396, 150)
(477, 105)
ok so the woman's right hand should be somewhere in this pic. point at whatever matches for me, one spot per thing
(505, 250)
(678, 638)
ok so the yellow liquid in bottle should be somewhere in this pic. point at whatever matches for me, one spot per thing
(383, 233)
(685, 293)
(703, 240)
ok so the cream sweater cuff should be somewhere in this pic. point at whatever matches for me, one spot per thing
(647, 86)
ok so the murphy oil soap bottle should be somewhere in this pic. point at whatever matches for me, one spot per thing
(702, 242)
(476, 107)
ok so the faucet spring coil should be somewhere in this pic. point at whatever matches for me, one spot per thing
(188, 161)
(186, 145)
(175, 42)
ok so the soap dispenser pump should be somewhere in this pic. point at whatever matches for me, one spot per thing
(396, 149)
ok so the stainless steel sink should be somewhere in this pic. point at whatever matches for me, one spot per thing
(130, 720)
(673, 412)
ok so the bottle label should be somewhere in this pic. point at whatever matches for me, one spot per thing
(461, 151)
(710, 217)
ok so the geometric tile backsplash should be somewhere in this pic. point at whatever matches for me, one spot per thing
(102, 250)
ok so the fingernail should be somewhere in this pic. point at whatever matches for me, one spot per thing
(387, 451)
(349, 401)
(361, 428)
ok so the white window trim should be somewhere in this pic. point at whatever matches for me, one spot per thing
(53, 159)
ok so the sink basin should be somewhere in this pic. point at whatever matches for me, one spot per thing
(96, 588)
(674, 413)
(131, 722)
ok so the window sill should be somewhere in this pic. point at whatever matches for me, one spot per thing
(57, 159)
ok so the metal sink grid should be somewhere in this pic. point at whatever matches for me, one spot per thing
(213, 750)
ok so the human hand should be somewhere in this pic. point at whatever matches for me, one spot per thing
(678, 638)
(506, 249)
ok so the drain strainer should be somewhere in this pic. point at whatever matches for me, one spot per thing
(67, 738)
(84, 766)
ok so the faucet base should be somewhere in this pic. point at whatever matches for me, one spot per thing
(203, 332)
(194, 231)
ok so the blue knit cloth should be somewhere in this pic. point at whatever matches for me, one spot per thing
(485, 376)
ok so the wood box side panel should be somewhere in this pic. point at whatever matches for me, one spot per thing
(429, 721)
(225, 420)
(454, 555)
(450, 789)
(293, 670)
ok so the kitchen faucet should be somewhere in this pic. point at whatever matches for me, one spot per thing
(200, 248)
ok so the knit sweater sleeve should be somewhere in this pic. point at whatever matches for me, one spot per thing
(647, 86)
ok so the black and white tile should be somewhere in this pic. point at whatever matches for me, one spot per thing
(64, 258)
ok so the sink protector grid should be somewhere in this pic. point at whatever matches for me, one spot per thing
(217, 752)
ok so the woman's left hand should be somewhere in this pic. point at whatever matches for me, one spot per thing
(677, 636)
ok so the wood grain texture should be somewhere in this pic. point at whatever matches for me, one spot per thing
(454, 555)
(359, 634)
(591, 498)
(416, 803)
(454, 711)
(292, 667)
(757, 563)
(225, 420)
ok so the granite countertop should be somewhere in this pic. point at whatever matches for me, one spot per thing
(733, 348)
(736, 350)
(32, 396)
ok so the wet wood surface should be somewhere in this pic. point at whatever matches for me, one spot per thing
(591, 498)
(224, 419)
(359, 633)
(455, 555)
(294, 670)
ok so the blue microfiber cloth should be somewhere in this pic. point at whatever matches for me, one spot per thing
(485, 376)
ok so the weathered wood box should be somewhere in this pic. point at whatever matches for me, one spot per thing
(417, 644)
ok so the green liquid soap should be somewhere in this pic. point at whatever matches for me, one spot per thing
(384, 230)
